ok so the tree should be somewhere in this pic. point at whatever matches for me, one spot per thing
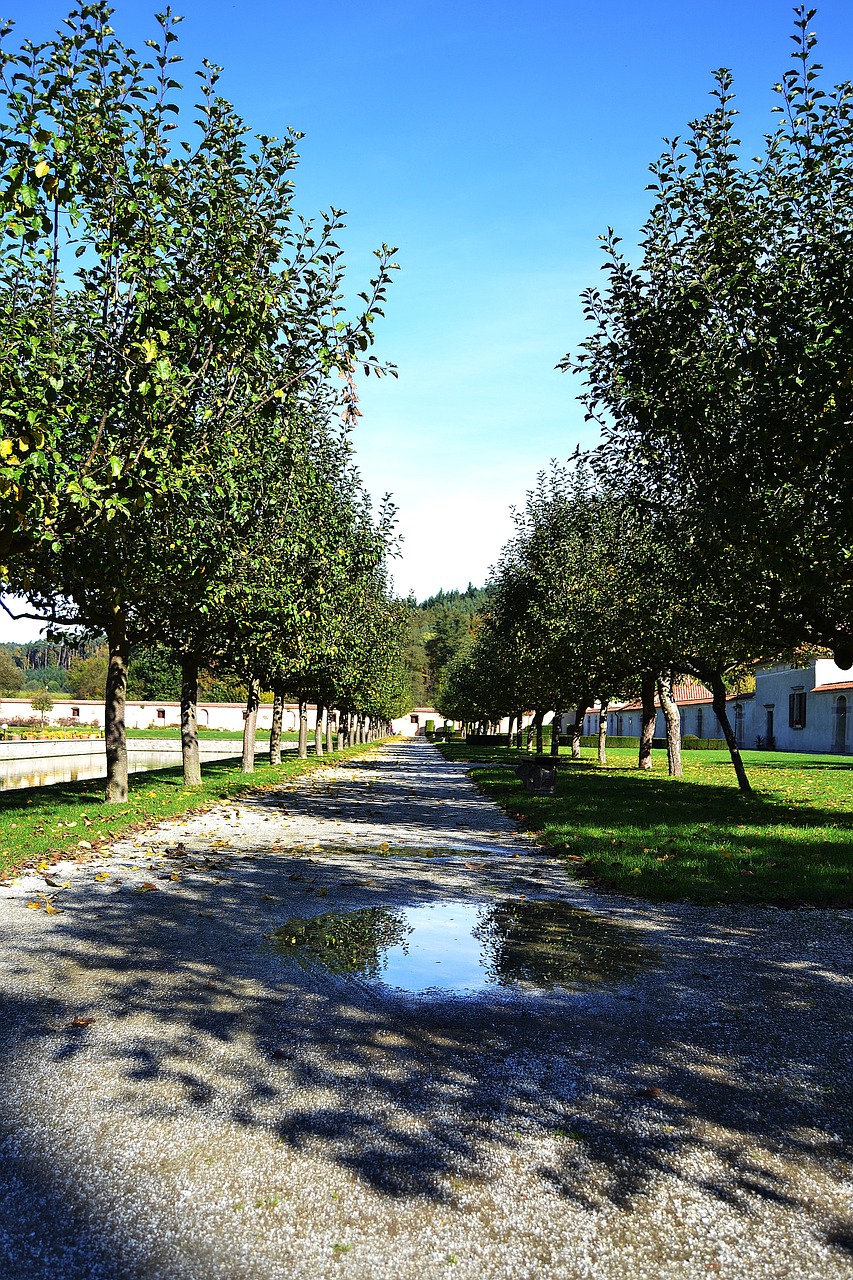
(43, 703)
(200, 304)
(11, 675)
(719, 367)
(87, 677)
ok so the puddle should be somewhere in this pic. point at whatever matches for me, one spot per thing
(465, 947)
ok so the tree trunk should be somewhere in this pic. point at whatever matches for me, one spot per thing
(602, 733)
(115, 697)
(250, 725)
(277, 721)
(350, 730)
(189, 720)
(555, 733)
(519, 741)
(577, 729)
(673, 725)
(647, 731)
(318, 731)
(538, 722)
(303, 730)
(719, 691)
(329, 731)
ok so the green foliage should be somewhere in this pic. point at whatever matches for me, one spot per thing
(719, 365)
(42, 702)
(154, 675)
(87, 677)
(440, 628)
(698, 839)
(184, 479)
(11, 674)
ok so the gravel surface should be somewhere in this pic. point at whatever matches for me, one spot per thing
(181, 1102)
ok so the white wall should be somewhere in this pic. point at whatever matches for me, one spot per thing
(153, 715)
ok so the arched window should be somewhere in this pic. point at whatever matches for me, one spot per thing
(699, 720)
(738, 722)
(840, 722)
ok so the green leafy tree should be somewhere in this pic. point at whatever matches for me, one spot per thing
(200, 303)
(719, 366)
(11, 675)
(43, 703)
(87, 677)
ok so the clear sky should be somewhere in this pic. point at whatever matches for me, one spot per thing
(493, 144)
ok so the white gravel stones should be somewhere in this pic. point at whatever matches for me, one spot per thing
(181, 1104)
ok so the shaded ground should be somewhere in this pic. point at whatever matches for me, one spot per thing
(180, 1101)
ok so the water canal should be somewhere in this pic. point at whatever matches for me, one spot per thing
(66, 762)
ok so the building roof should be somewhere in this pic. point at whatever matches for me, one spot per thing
(687, 691)
(826, 688)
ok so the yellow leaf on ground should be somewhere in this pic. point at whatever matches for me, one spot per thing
(35, 906)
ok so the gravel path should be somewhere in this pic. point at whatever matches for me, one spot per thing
(180, 1103)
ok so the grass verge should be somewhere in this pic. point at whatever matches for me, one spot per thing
(788, 843)
(70, 819)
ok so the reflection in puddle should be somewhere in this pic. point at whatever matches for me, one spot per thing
(465, 947)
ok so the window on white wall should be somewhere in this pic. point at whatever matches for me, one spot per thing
(797, 709)
(161, 713)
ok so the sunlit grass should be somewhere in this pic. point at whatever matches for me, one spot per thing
(71, 819)
(790, 841)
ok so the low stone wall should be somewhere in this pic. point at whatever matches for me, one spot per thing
(49, 748)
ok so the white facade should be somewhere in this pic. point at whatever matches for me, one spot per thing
(807, 709)
(150, 715)
(803, 708)
(413, 725)
(211, 715)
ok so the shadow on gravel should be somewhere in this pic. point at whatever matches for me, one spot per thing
(731, 1053)
(439, 805)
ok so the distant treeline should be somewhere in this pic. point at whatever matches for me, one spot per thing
(439, 628)
(80, 671)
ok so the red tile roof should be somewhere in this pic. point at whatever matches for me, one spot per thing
(824, 688)
(687, 690)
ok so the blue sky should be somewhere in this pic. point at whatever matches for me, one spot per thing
(493, 144)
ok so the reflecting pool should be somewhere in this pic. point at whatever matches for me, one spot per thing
(467, 947)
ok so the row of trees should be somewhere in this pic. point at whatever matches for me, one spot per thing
(711, 527)
(177, 388)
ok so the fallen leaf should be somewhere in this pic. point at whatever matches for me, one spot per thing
(35, 906)
(146, 887)
(82, 1022)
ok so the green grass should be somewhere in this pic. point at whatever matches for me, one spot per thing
(700, 839)
(43, 824)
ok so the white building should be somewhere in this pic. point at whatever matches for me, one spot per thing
(794, 708)
(211, 715)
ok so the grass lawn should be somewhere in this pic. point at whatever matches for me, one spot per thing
(40, 825)
(789, 842)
